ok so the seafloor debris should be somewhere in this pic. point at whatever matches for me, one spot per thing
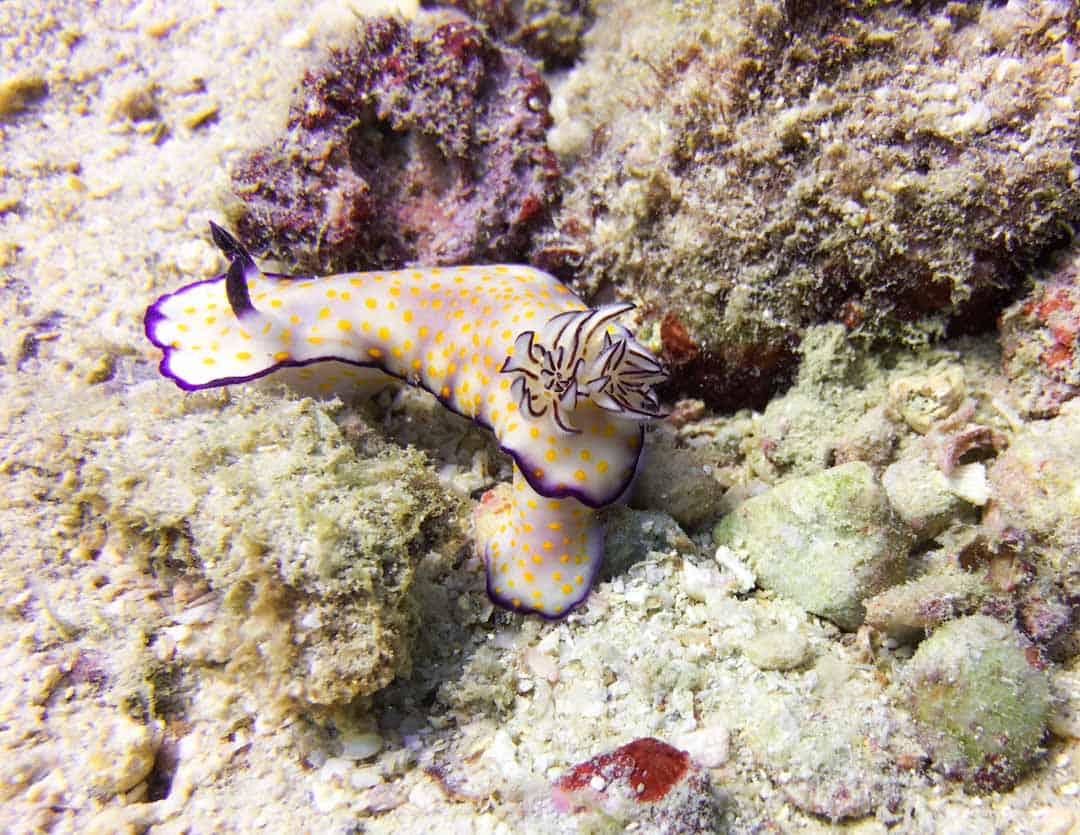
(778, 649)
(762, 167)
(825, 759)
(409, 146)
(981, 703)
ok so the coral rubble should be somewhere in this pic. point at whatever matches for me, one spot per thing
(912, 610)
(825, 760)
(827, 541)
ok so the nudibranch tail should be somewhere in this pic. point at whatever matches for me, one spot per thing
(565, 388)
(542, 555)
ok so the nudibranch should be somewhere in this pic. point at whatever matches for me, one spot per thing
(564, 387)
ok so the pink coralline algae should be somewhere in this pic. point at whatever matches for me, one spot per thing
(414, 145)
(1039, 341)
(645, 780)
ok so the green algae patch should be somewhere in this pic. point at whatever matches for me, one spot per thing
(296, 543)
(827, 541)
(982, 706)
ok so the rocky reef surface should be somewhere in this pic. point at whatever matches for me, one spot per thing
(762, 167)
(855, 605)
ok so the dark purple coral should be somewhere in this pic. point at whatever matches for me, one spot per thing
(413, 145)
(552, 31)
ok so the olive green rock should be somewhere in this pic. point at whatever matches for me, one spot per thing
(827, 541)
(298, 537)
(981, 705)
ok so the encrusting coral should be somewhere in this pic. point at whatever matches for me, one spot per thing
(417, 144)
(565, 389)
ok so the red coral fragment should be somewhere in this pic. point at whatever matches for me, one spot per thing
(650, 767)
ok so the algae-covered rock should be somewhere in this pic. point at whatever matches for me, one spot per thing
(827, 541)
(909, 611)
(1036, 486)
(675, 480)
(420, 142)
(982, 706)
(300, 547)
(833, 413)
(922, 496)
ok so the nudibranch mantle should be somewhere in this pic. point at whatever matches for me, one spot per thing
(564, 387)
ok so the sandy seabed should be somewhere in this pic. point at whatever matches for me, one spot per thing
(119, 121)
